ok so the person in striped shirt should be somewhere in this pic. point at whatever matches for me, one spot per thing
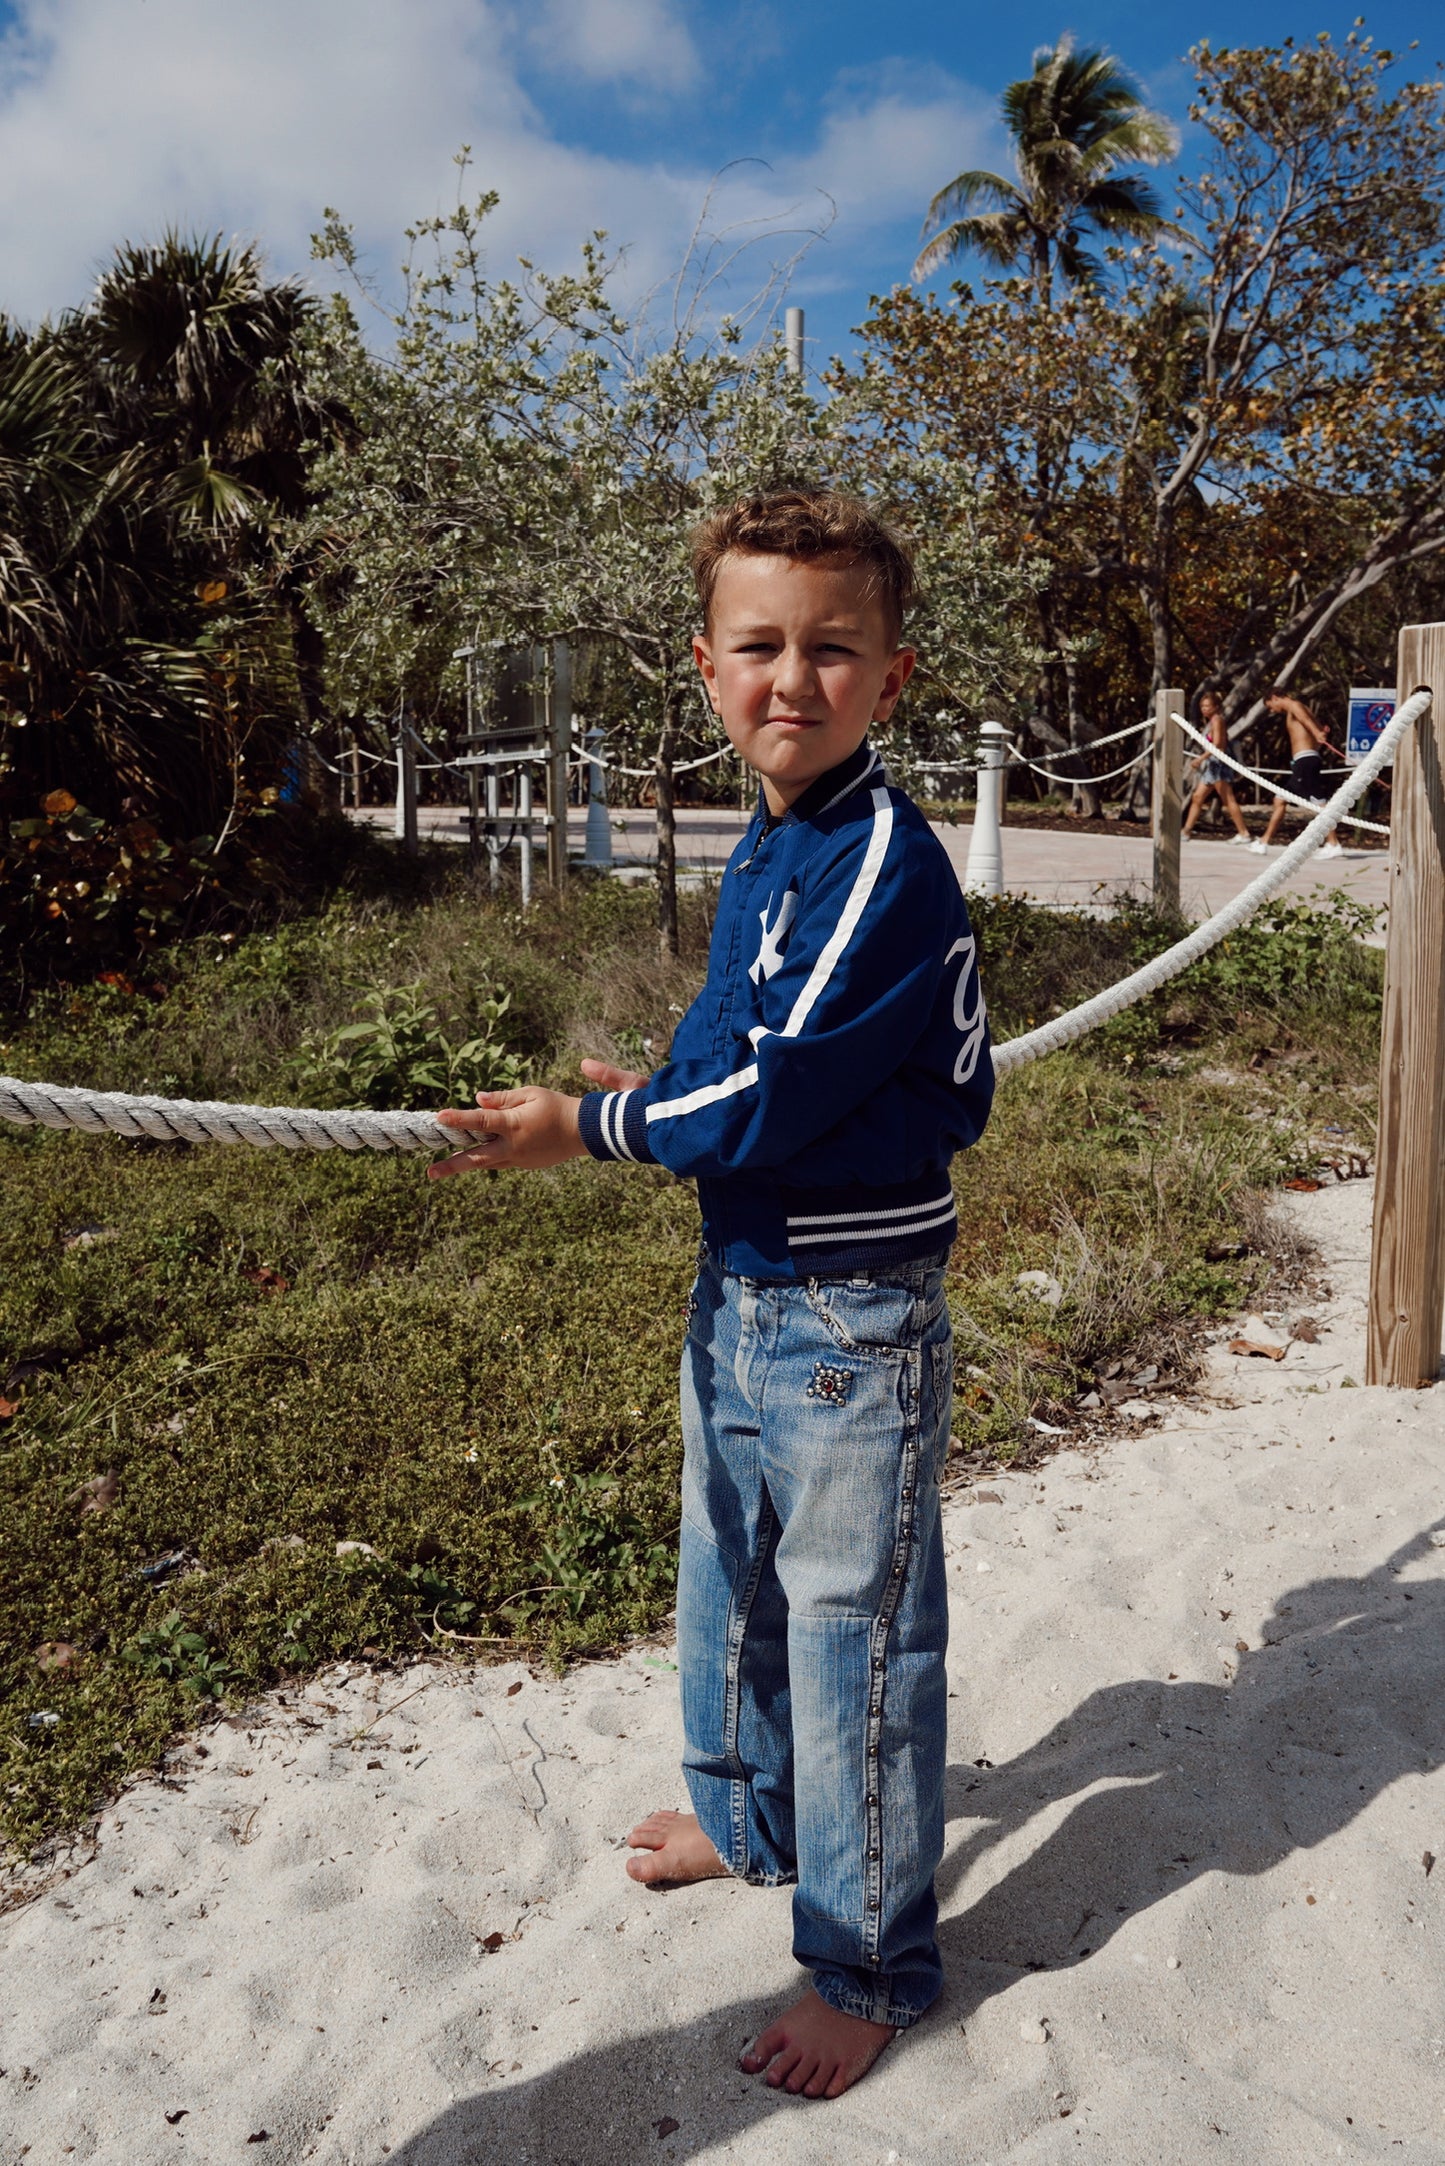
(817, 1090)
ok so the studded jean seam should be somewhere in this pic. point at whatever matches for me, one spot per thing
(878, 1680)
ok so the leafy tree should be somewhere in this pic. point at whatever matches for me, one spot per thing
(1074, 122)
(1228, 453)
(530, 462)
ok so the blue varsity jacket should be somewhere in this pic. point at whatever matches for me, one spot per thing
(837, 1055)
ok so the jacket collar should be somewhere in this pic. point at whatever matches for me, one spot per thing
(830, 789)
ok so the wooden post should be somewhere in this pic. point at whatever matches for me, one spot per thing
(1166, 810)
(1407, 1256)
(559, 748)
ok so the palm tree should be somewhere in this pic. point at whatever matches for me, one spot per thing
(1074, 122)
(154, 446)
(209, 361)
(206, 360)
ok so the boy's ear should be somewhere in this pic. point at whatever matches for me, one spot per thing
(702, 655)
(900, 669)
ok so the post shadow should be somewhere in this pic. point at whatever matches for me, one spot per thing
(1345, 1695)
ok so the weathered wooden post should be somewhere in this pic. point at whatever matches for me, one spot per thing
(467, 656)
(1407, 1255)
(1166, 811)
(559, 746)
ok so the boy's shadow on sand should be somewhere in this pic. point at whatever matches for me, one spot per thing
(1345, 1696)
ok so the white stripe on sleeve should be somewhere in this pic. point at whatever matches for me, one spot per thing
(668, 1109)
(853, 909)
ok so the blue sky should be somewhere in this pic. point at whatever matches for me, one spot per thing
(118, 117)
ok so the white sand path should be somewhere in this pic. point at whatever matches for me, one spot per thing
(1198, 1732)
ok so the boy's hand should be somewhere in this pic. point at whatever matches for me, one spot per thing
(523, 1128)
(608, 1078)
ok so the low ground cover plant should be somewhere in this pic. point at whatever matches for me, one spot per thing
(259, 1411)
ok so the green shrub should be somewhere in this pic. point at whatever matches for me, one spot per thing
(182, 1657)
(400, 1054)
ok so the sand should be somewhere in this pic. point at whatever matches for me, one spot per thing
(1196, 1779)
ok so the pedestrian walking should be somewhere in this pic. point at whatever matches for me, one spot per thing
(1308, 744)
(1214, 774)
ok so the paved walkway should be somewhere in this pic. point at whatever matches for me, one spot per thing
(1044, 864)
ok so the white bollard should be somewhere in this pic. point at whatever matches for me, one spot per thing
(983, 874)
(598, 852)
(403, 822)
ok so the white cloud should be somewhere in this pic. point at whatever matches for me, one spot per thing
(641, 43)
(121, 117)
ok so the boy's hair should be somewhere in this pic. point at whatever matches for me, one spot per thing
(808, 524)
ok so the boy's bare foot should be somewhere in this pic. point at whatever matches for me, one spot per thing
(816, 2050)
(673, 1850)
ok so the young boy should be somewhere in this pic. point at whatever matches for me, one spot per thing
(835, 1060)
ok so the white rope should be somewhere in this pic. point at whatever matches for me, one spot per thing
(298, 1128)
(191, 1120)
(1084, 781)
(1216, 753)
(1072, 752)
(1064, 1029)
(649, 774)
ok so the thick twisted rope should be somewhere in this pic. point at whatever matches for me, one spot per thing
(299, 1128)
(201, 1120)
(1064, 1029)
(1253, 775)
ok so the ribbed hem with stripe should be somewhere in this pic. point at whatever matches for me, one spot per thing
(613, 1124)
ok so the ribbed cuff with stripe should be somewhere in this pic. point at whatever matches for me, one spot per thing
(613, 1124)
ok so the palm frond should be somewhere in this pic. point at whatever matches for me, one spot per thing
(1123, 204)
(997, 236)
(964, 192)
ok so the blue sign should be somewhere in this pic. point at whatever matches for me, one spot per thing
(1368, 714)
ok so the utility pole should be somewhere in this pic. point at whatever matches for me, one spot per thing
(793, 340)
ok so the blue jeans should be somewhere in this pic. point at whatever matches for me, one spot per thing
(813, 1613)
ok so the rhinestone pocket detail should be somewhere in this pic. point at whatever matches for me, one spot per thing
(830, 1383)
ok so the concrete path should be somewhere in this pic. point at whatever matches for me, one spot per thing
(1044, 864)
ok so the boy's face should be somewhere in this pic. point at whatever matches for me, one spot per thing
(797, 660)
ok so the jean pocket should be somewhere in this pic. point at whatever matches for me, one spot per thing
(880, 1322)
